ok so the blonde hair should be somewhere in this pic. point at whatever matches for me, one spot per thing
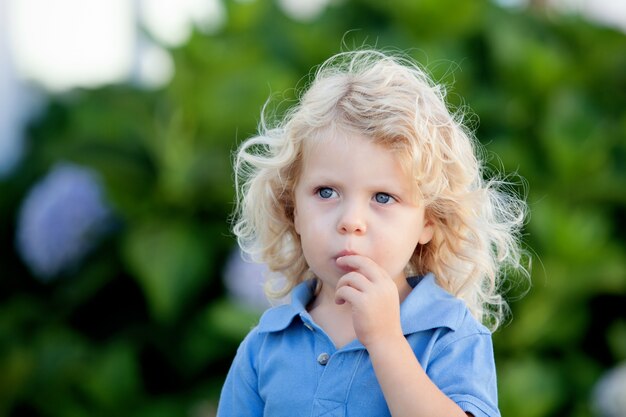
(392, 101)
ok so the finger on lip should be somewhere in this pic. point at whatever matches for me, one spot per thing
(346, 268)
(347, 262)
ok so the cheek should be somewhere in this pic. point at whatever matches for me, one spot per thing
(299, 215)
(305, 225)
(296, 221)
(402, 243)
(309, 219)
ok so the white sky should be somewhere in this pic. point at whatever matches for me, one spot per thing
(66, 43)
(62, 44)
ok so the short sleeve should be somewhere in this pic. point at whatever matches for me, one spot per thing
(240, 395)
(464, 369)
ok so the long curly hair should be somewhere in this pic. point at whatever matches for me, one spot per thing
(391, 100)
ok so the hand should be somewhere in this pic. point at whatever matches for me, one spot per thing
(374, 299)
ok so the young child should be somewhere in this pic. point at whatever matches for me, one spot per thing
(369, 199)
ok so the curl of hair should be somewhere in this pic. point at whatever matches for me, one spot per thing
(392, 101)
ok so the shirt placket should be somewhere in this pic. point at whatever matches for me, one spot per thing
(335, 381)
(338, 368)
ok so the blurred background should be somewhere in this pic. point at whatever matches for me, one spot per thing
(121, 289)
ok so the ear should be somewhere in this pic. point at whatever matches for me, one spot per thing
(427, 232)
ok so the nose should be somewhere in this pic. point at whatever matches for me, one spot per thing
(352, 220)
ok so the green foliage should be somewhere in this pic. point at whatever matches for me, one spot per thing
(143, 326)
(172, 277)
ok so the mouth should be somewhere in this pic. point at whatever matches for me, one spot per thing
(344, 253)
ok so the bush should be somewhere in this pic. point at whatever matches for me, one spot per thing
(140, 324)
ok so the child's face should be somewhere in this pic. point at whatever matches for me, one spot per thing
(353, 197)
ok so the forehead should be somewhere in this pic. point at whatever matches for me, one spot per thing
(331, 140)
(354, 159)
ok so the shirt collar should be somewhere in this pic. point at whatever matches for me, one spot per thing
(280, 317)
(428, 306)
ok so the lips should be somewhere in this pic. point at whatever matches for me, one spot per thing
(344, 268)
(344, 253)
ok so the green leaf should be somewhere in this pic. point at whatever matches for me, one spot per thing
(213, 333)
(113, 376)
(530, 387)
(170, 261)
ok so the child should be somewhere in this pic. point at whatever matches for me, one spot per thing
(369, 199)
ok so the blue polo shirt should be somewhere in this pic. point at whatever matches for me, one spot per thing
(288, 366)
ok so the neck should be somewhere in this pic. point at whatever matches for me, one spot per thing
(335, 319)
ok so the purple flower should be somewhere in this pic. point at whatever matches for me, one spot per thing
(609, 394)
(61, 219)
(245, 279)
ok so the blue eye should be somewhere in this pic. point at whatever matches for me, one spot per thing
(382, 198)
(325, 192)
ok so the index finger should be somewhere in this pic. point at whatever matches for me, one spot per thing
(364, 265)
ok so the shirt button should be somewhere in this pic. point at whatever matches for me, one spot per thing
(323, 358)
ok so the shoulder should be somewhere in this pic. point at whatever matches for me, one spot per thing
(454, 348)
(252, 346)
